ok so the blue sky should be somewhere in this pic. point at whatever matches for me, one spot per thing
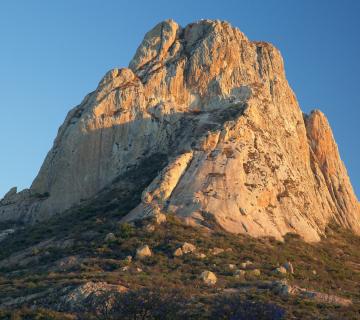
(52, 53)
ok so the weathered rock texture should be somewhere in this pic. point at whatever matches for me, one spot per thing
(220, 108)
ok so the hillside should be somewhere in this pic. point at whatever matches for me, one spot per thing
(67, 268)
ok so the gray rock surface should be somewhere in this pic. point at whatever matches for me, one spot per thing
(77, 298)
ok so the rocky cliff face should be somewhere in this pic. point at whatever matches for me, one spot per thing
(220, 108)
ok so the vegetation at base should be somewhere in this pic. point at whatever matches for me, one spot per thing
(27, 313)
(331, 266)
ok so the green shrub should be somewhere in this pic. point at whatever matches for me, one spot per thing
(125, 231)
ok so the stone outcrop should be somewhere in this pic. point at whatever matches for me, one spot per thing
(220, 108)
(289, 267)
(285, 289)
(89, 292)
(208, 277)
(143, 252)
(280, 270)
(184, 249)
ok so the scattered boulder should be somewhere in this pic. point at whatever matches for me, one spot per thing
(200, 255)
(159, 218)
(184, 249)
(284, 289)
(208, 277)
(239, 273)
(326, 298)
(216, 251)
(254, 272)
(281, 288)
(143, 252)
(110, 237)
(66, 263)
(149, 228)
(289, 267)
(280, 270)
(76, 298)
(188, 247)
(178, 252)
(128, 259)
(246, 264)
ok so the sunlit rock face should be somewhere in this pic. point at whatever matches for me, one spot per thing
(219, 106)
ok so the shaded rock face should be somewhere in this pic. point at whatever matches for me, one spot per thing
(219, 106)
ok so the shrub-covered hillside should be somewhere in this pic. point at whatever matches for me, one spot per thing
(98, 268)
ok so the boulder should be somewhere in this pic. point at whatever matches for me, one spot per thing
(159, 218)
(246, 265)
(128, 259)
(178, 252)
(150, 228)
(110, 237)
(239, 273)
(188, 248)
(184, 249)
(67, 263)
(216, 251)
(285, 289)
(289, 267)
(280, 270)
(76, 299)
(254, 272)
(208, 277)
(326, 298)
(200, 255)
(143, 252)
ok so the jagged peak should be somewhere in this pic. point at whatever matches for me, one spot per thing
(155, 44)
(170, 36)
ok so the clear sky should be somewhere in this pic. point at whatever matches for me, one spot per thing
(52, 53)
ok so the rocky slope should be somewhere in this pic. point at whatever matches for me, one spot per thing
(219, 108)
